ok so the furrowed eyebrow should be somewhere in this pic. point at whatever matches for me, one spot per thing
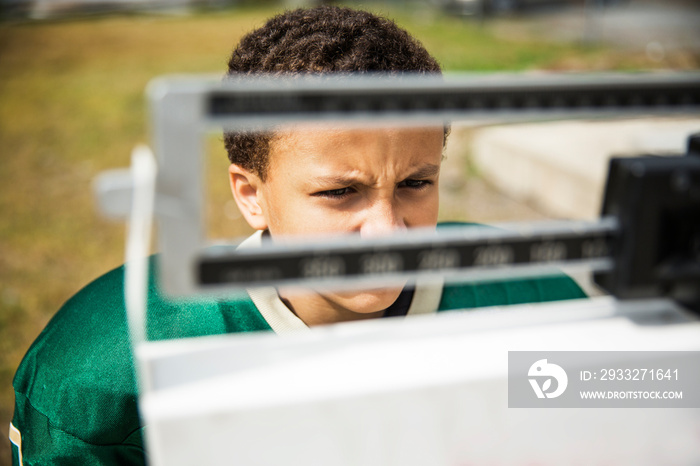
(426, 171)
(335, 181)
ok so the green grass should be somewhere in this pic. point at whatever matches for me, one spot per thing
(71, 105)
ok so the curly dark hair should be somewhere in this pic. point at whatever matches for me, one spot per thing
(326, 39)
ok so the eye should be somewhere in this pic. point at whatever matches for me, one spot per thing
(335, 193)
(415, 184)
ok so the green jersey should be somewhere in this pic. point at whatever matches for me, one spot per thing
(75, 390)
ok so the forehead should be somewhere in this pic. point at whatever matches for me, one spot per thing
(323, 147)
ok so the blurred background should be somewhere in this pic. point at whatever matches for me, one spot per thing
(72, 80)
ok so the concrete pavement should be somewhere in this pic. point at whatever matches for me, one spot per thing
(560, 168)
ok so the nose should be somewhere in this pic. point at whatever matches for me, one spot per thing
(382, 217)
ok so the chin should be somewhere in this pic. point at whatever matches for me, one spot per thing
(366, 301)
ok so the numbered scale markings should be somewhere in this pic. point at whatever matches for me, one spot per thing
(378, 98)
(453, 253)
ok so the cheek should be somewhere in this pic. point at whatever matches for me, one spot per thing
(290, 212)
(319, 219)
(423, 212)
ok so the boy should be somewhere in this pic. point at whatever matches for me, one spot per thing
(75, 389)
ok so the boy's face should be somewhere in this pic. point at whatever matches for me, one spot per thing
(324, 181)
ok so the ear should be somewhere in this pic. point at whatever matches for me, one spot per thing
(247, 191)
